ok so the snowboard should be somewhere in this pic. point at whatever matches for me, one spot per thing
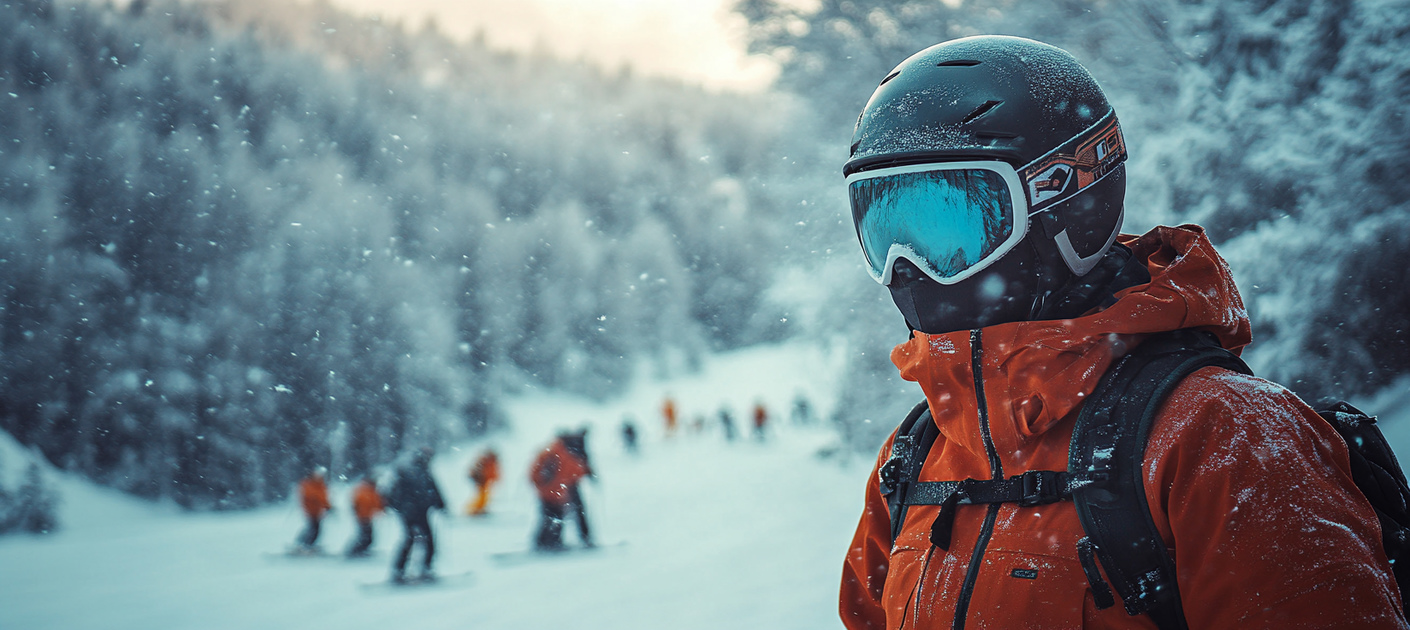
(301, 552)
(298, 553)
(523, 556)
(463, 578)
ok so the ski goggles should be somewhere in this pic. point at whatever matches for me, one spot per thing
(953, 219)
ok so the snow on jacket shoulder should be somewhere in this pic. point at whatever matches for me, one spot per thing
(1250, 489)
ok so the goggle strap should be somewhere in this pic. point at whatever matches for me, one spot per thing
(1074, 165)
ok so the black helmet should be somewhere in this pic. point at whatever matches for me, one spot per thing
(1026, 126)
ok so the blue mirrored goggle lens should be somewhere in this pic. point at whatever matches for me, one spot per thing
(948, 221)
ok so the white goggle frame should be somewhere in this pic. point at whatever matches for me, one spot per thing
(1018, 208)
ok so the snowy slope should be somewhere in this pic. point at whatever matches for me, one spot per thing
(742, 535)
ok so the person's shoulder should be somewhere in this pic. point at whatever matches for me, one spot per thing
(1232, 413)
(1227, 395)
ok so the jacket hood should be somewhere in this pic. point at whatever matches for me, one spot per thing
(1036, 373)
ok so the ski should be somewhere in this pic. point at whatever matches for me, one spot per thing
(301, 552)
(412, 582)
(523, 556)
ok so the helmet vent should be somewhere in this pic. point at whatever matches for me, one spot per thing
(987, 107)
(962, 63)
(893, 75)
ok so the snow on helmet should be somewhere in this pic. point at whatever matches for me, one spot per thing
(986, 173)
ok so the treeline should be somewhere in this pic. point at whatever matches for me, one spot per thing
(1279, 125)
(241, 238)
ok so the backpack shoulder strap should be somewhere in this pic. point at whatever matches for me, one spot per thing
(1109, 443)
(909, 449)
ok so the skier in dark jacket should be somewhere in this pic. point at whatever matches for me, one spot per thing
(413, 496)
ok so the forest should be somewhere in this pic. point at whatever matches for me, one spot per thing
(243, 237)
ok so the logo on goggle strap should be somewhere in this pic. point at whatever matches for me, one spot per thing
(1074, 165)
(1050, 183)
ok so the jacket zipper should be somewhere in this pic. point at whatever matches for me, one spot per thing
(996, 469)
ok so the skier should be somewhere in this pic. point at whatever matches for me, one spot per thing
(987, 186)
(556, 474)
(367, 504)
(413, 496)
(802, 411)
(668, 413)
(727, 423)
(761, 418)
(484, 473)
(629, 435)
(313, 495)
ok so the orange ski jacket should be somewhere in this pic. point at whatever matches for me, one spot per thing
(366, 502)
(555, 471)
(313, 492)
(1250, 489)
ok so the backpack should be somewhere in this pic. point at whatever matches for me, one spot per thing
(1104, 477)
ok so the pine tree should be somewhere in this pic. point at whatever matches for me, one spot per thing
(35, 504)
(7, 507)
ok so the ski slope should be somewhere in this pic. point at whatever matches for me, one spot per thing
(716, 534)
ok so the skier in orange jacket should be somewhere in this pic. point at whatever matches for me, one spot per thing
(484, 473)
(987, 185)
(367, 504)
(761, 420)
(313, 495)
(556, 473)
(668, 412)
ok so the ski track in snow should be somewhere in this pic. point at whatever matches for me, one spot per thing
(742, 535)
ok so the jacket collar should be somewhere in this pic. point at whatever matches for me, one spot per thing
(1037, 373)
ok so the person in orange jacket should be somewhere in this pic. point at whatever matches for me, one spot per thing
(313, 495)
(556, 473)
(668, 413)
(761, 420)
(987, 189)
(367, 504)
(484, 473)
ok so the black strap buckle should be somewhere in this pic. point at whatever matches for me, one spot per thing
(892, 473)
(1040, 487)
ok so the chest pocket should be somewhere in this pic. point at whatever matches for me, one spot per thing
(1029, 578)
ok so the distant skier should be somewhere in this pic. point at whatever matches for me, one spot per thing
(556, 474)
(727, 423)
(761, 420)
(313, 494)
(802, 411)
(367, 504)
(629, 435)
(668, 412)
(413, 496)
(483, 474)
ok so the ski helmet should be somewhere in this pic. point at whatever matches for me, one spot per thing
(986, 174)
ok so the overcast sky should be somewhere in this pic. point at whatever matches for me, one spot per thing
(696, 40)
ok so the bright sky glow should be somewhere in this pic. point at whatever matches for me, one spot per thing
(699, 41)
